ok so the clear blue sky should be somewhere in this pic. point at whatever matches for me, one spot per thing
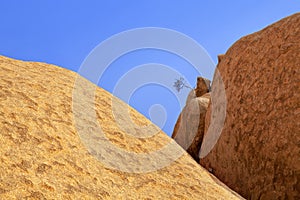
(64, 32)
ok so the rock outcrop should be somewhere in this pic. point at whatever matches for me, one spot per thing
(189, 128)
(42, 156)
(258, 151)
(203, 86)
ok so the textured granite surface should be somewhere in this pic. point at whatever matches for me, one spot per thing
(42, 155)
(258, 151)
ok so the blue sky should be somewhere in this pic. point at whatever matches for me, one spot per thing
(65, 32)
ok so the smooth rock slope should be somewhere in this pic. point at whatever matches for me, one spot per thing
(43, 157)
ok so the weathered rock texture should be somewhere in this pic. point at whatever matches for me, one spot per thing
(42, 156)
(203, 86)
(189, 128)
(258, 152)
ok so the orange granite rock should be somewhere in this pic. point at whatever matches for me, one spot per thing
(258, 151)
(43, 156)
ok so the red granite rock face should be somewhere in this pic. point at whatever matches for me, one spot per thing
(258, 151)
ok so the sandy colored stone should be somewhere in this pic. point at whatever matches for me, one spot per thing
(43, 157)
(191, 96)
(202, 88)
(258, 152)
(189, 128)
(207, 117)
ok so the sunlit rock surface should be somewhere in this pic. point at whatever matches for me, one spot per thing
(258, 152)
(43, 156)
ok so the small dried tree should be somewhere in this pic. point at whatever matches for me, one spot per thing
(180, 84)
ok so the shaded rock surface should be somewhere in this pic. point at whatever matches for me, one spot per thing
(43, 157)
(189, 128)
(203, 86)
(258, 151)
